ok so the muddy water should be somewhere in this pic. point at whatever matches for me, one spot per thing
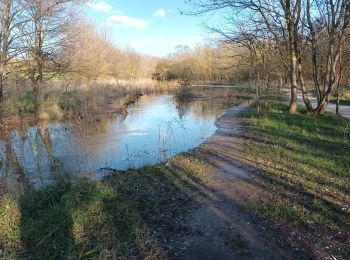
(156, 127)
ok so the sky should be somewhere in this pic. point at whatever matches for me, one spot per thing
(153, 27)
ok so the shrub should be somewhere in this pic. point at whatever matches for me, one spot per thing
(69, 101)
(28, 103)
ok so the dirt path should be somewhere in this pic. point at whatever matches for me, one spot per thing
(222, 227)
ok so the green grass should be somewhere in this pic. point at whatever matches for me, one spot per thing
(305, 160)
(130, 214)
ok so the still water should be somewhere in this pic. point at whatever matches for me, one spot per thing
(156, 128)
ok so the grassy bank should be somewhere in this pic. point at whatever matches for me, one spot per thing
(130, 214)
(305, 162)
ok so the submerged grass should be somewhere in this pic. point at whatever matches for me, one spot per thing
(127, 215)
(54, 102)
(305, 161)
(79, 101)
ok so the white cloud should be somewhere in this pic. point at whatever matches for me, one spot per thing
(160, 13)
(126, 21)
(100, 6)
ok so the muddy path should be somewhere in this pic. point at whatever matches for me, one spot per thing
(222, 226)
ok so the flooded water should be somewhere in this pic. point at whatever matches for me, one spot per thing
(156, 127)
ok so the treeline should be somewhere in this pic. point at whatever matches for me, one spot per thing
(205, 63)
(304, 42)
(94, 55)
(42, 41)
(45, 41)
(48, 41)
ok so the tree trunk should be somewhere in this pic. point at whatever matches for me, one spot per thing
(331, 75)
(296, 43)
(338, 101)
(293, 83)
(293, 60)
(1, 87)
(38, 46)
(280, 84)
(340, 75)
(257, 83)
(303, 88)
(293, 99)
(4, 51)
(323, 105)
(315, 74)
(250, 74)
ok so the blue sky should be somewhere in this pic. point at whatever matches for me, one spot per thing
(152, 27)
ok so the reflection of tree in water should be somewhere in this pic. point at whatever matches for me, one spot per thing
(32, 151)
(25, 150)
(13, 178)
(206, 103)
(90, 125)
(43, 136)
(183, 106)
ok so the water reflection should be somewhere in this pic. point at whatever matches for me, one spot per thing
(156, 128)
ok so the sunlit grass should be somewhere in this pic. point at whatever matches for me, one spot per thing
(305, 161)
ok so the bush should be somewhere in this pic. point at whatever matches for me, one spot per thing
(28, 103)
(8, 107)
(69, 101)
(49, 109)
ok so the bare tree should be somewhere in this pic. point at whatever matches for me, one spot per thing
(281, 19)
(328, 24)
(48, 30)
(4, 40)
(9, 21)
